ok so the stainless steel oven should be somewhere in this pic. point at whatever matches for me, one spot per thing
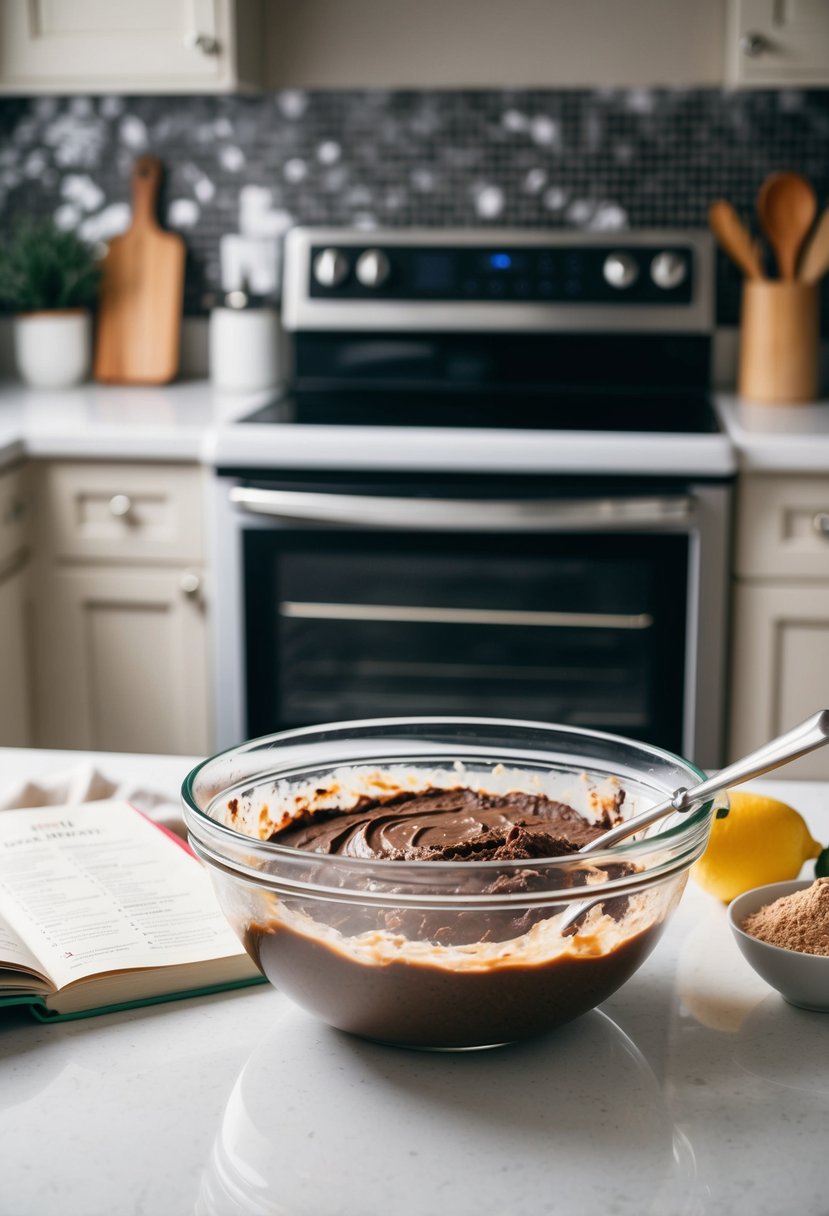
(360, 577)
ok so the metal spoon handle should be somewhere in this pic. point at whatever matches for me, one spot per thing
(812, 733)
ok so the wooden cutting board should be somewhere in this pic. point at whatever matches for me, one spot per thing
(139, 315)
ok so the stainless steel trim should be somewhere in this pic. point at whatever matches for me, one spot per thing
(408, 614)
(706, 598)
(301, 312)
(444, 515)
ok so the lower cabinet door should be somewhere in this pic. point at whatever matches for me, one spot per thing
(122, 661)
(781, 667)
(15, 674)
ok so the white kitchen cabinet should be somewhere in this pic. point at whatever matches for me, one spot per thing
(15, 666)
(778, 42)
(200, 46)
(123, 659)
(155, 46)
(15, 696)
(342, 44)
(780, 650)
(121, 613)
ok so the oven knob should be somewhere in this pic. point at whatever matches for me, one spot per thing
(620, 270)
(669, 270)
(372, 268)
(330, 267)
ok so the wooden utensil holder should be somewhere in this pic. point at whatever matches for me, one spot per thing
(779, 342)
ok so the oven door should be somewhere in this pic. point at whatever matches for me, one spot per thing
(349, 597)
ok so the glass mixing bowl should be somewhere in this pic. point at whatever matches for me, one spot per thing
(441, 954)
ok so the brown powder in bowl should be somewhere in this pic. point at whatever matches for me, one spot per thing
(797, 922)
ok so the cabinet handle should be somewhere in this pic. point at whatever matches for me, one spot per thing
(190, 583)
(820, 523)
(120, 505)
(753, 45)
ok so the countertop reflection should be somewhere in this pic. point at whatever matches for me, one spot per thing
(578, 1113)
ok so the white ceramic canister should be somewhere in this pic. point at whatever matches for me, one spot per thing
(244, 349)
(53, 349)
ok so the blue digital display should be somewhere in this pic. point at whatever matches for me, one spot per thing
(500, 261)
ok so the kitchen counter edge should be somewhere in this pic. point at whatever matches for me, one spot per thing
(188, 421)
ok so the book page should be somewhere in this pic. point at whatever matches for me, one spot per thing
(14, 955)
(97, 888)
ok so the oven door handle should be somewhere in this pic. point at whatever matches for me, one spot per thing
(400, 614)
(458, 514)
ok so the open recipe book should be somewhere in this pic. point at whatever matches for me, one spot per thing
(100, 909)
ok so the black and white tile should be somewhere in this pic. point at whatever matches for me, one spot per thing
(594, 159)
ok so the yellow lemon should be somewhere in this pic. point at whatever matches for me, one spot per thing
(760, 840)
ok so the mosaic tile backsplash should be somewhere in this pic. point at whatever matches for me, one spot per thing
(591, 159)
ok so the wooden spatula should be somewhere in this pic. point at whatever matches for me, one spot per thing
(735, 238)
(139, 319)
(815, 261)
(787, 207)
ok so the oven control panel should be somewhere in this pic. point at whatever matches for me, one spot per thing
(619, 275)
(505, 279)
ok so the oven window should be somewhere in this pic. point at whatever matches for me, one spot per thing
(587, 630)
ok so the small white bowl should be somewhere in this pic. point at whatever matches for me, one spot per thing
(801, 979)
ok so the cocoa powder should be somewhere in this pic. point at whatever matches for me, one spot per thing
(797, 922)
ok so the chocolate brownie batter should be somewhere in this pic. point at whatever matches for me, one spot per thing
(447, 825)
(438, 976)
(415, 1004)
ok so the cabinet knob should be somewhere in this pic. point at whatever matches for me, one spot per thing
(206, 43)
(820, 523)
(753, 45)
(190, 583)
(15, 511)
(120, 505)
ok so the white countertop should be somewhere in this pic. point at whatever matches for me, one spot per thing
(777, 438)
(694, 1090)
(189, 421)
(98, 421)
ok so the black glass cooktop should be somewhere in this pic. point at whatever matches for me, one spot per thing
(669, 411)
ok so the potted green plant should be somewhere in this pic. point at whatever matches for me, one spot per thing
(49, 279)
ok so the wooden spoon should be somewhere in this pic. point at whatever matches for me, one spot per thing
(815, 260)
(787, 208)
(735, 238)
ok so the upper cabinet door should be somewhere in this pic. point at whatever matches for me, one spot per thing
(153, 46)
(778, 42)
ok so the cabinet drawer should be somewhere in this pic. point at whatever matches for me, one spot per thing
(122, 512)
(14, 514)
(783, 527)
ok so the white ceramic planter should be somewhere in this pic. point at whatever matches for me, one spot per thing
(53, 349)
